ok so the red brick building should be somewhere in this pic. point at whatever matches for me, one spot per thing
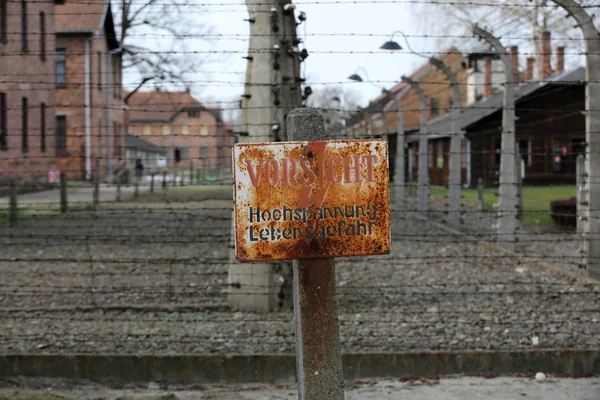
(27, 144)
(89, 101)
(190, 132)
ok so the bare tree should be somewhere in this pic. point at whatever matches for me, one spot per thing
(155, 36)
(518, 22)
(334, 102)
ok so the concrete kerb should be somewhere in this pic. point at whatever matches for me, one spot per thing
(281, 368)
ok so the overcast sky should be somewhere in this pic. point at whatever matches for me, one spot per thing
(380, 19)
(345, 26)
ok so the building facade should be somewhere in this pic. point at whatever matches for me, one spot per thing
(90, 116)
(27, 94)
(192, 134)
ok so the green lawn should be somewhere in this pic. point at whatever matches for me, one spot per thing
(32, 210)
(536, 200)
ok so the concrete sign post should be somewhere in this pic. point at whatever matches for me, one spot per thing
(310, 201)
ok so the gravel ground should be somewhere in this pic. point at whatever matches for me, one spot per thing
(454, 388)
(151, 278)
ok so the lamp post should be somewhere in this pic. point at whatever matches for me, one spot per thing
(399, 178)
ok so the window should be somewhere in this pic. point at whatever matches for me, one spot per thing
(42, 36)
(524, 152)
(43, 127)
(24, 124)
(3, 5)
(61, 68)
(204, 152)
(147, 130)
(165, 130)
(24, 26)
(3, 122)
(61, 135)
(194, 113)
(184, 153)
(203, 130)
(185, 129)
(434, 104)
(99, 71)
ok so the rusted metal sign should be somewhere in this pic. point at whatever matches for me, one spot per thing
(303, 200)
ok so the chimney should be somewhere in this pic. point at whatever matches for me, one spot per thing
(487, 76)
(529, 70)
(514, 58)
(545, 56)
(560, 59)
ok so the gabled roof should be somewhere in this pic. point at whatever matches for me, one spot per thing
(158, 105)
(86, 17)
(134, 142)
(474, 113)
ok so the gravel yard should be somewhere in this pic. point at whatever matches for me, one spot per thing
(151, 278)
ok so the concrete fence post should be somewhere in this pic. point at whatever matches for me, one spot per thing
(96, 198)
(508, 206)
(119, 177)
(582, 200)
(423, 171)
(591, 226)
(63, 192)
(454, 173)
(164, 180)
(152, 183)
(13, 212)
(191, 173)
(136, 186)
(480, 203)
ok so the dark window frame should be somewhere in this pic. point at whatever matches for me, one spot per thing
(24, 124)
(61, 135)
(3, 123)
(60, 59)
(43, 127)
(42, 36)
(24, 44)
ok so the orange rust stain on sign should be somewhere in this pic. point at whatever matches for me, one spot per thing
(302, 200)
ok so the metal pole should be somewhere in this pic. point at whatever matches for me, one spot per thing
(63, 192)
(96, 199)
(508, 208)
(13, 212)
(454, 179)
(520, 168)
(318, 355)
(423, 182)
(119, 177)
(164, 180)
(136, 186)
(590, 213)
(480, 194)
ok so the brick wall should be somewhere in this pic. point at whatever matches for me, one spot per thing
(28, 75)
(203, 131)
(71, 105)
